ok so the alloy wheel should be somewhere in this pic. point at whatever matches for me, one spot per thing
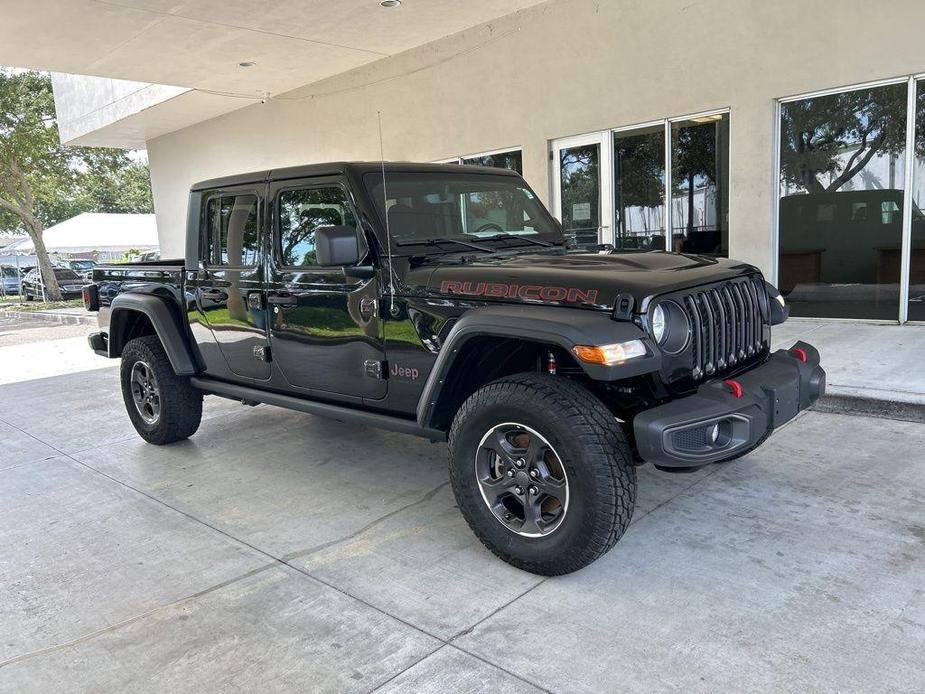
(522, 480)
(145, 392)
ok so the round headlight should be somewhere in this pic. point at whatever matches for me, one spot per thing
(670, 327)
(659, 325)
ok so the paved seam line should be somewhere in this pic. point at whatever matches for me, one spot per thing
(279, 560)
(243, 542)
(130, 620)
(501, 668)
(404, 670)
(683, 491)
(369, 526)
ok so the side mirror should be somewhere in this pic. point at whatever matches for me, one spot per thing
(336, 246)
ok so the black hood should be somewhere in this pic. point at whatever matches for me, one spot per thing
(569, 277)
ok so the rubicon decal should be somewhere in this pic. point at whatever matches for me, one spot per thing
(534, 292)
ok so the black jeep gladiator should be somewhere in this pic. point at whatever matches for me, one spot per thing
(444, 301)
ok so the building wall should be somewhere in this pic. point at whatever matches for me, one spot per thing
(564, 68)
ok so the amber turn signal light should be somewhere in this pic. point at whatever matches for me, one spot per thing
(608, 355)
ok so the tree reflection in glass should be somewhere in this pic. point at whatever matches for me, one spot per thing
(842, 161)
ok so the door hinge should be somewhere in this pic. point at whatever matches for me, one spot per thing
(376, 369)
(262, 352)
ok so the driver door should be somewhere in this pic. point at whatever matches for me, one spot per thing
(325, 332)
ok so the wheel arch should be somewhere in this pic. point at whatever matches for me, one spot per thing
(134, 315)
(489, 341)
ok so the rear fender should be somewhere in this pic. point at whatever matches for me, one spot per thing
(124, 310)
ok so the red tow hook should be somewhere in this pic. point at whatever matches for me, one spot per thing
(735, 388)
(800, 354)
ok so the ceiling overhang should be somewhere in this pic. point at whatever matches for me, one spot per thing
(201, 45)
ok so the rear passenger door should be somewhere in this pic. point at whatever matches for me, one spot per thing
(230, 284)
(325, 331)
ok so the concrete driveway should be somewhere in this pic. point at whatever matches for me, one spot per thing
(277, 551)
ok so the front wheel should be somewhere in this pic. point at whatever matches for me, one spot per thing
(163, 407)
(542, 472)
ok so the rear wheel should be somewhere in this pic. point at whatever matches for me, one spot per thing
(163, 407)
(542, 472)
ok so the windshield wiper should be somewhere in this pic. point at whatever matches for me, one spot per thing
(444, 239)
(506, 237)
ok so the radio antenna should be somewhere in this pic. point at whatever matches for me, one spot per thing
(385, 209)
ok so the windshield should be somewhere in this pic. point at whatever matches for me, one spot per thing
(472, 208)
(83, 264)
(62, 274)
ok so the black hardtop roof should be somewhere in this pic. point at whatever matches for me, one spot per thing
(357, 168)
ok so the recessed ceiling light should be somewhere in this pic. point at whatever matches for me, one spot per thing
(390, 3)
(247, 63)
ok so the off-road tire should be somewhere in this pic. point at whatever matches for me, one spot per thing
(592, 448)
(27, 297)
(180, 403)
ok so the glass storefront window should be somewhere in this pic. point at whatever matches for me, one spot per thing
(700, 185)
(512, 160)
(842, 159)
(917, 261)
(639, 188)
(579, 169)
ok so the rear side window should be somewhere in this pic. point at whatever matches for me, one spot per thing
(301, 212)
(232, 226)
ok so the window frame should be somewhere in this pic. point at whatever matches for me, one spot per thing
(606, 136)
(206, 253)
(277, 235)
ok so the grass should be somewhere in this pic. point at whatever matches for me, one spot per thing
(15, 303)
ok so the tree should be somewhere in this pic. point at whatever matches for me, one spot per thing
(838, 134)
(693, 158)
(42, 182)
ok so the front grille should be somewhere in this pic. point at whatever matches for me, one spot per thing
(728, 324)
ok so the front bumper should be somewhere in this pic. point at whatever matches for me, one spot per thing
(726, 418)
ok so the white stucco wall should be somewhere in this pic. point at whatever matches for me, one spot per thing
(564, 68)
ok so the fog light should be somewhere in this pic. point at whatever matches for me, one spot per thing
(609, 355)
(713, 434)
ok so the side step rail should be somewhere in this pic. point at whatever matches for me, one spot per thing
(322, 409)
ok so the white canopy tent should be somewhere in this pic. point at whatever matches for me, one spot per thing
(105, 235)
(98, 235)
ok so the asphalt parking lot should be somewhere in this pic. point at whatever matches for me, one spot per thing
(276, 551)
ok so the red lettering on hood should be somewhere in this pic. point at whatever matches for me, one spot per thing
(530, 292)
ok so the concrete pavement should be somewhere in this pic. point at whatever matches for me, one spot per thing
(276, 551)
(871, 369)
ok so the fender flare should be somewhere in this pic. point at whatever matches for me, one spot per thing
(165, 326)
(563, 327)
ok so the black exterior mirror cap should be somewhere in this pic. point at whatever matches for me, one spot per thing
(337, 246)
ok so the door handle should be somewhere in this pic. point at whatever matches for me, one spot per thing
(284, 300)
(255, 301)
(214, 294)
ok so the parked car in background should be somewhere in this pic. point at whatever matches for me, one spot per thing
(9, 280)
(82, 266)
(70, 282)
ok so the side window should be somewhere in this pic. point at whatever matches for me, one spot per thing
(301, 212)
(232, 230)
